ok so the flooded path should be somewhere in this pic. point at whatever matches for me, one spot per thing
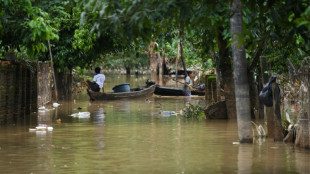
(130, 136)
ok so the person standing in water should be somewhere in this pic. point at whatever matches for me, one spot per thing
(98, 81)
(188, 84)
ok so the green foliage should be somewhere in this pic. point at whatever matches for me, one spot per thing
(193, 112)
(83, 39)
(270, 26)
(24, 25)
(127, 58)
(85, 32)
(304, 19)
(79, 74)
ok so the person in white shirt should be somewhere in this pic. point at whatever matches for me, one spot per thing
(97, 83)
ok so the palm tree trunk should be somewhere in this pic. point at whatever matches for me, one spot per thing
(240, 76)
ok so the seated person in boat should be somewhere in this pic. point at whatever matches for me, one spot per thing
(188, 84)
(97, 83)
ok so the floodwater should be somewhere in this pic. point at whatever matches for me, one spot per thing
(131, 136)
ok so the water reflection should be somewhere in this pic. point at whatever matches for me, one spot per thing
(302, 161)
(98, 113)
(245, 156)
(45, 116)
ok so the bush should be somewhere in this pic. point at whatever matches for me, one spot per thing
(194, 112)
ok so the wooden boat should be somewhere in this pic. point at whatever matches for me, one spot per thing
(172, 91)
(134, 93)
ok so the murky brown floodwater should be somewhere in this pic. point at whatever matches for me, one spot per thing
(130, 136)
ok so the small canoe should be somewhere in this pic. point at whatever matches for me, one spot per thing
(140, 91)
(172, 91)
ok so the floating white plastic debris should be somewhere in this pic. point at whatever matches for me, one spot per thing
(173, 113)
(55, 105)
(41, 128)
(167, 113)
(181, 112)
(235, 142)
(41, 108)
(74, 115)
(81, 115)
(84, 115)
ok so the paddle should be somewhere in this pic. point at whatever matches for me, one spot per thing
(184, 84)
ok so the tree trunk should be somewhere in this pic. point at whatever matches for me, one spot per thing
(262, 81)
(240, 76)
(226, 75)
(255, 105)
(165, 67)
(160, 64)
(127, 70)
(253, 95)
(259, 82)
(278, 136)
(177, 63)
(153, 62)
(52, 65)
(218, 84)
(181, 49)
(218, 76)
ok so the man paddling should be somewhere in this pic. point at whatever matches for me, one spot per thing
(97, 82)
(188, 84)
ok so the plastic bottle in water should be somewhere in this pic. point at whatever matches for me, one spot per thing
(166, 113)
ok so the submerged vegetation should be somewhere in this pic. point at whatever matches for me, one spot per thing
(194, 112)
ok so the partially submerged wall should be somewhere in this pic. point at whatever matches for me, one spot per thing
(64, 84)
(44, 83)
(18, 91)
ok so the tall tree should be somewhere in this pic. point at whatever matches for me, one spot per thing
(24, 26)
(240, 75)
(213, 19)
